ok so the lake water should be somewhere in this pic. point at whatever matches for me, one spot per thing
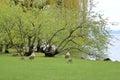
(114, 50)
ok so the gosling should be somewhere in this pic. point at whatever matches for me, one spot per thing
(70, 60)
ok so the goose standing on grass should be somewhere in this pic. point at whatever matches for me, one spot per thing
(32, 56)
(67, 55)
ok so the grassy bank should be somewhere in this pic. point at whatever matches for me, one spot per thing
(41, 68)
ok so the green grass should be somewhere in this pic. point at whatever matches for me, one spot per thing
(41, 68)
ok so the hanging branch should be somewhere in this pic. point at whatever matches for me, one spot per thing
(11, 38)
(75, 43)
(49, 41)
(81, 50)
(66, 43)
(35, 34)
(69, 36)
(20, 29)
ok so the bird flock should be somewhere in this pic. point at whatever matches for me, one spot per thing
(67, 56)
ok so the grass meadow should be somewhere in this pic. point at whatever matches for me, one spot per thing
(41, 68)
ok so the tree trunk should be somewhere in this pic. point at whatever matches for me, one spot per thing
(49, 52)
(30, 47)
(38, 45)
(1, 48)
(6, 48)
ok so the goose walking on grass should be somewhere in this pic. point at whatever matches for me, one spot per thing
(67, 55)
(32, 56)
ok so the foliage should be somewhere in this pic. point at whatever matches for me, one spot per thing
(66, 29)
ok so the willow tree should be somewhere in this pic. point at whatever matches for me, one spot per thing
(89, 29)
(4, 1)
(67, 24)
(77, 5)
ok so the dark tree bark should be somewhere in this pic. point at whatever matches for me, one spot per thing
(30, 47)
(6, 48)
(51, 53)
(30, 51)
(38, 45)
(1, 48)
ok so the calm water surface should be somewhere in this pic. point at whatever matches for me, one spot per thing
(114, 50)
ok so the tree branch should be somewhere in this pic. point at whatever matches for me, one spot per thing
(81, 50)
(49, 41)
(70, 34)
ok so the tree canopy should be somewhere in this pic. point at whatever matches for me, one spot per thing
(54, 26)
